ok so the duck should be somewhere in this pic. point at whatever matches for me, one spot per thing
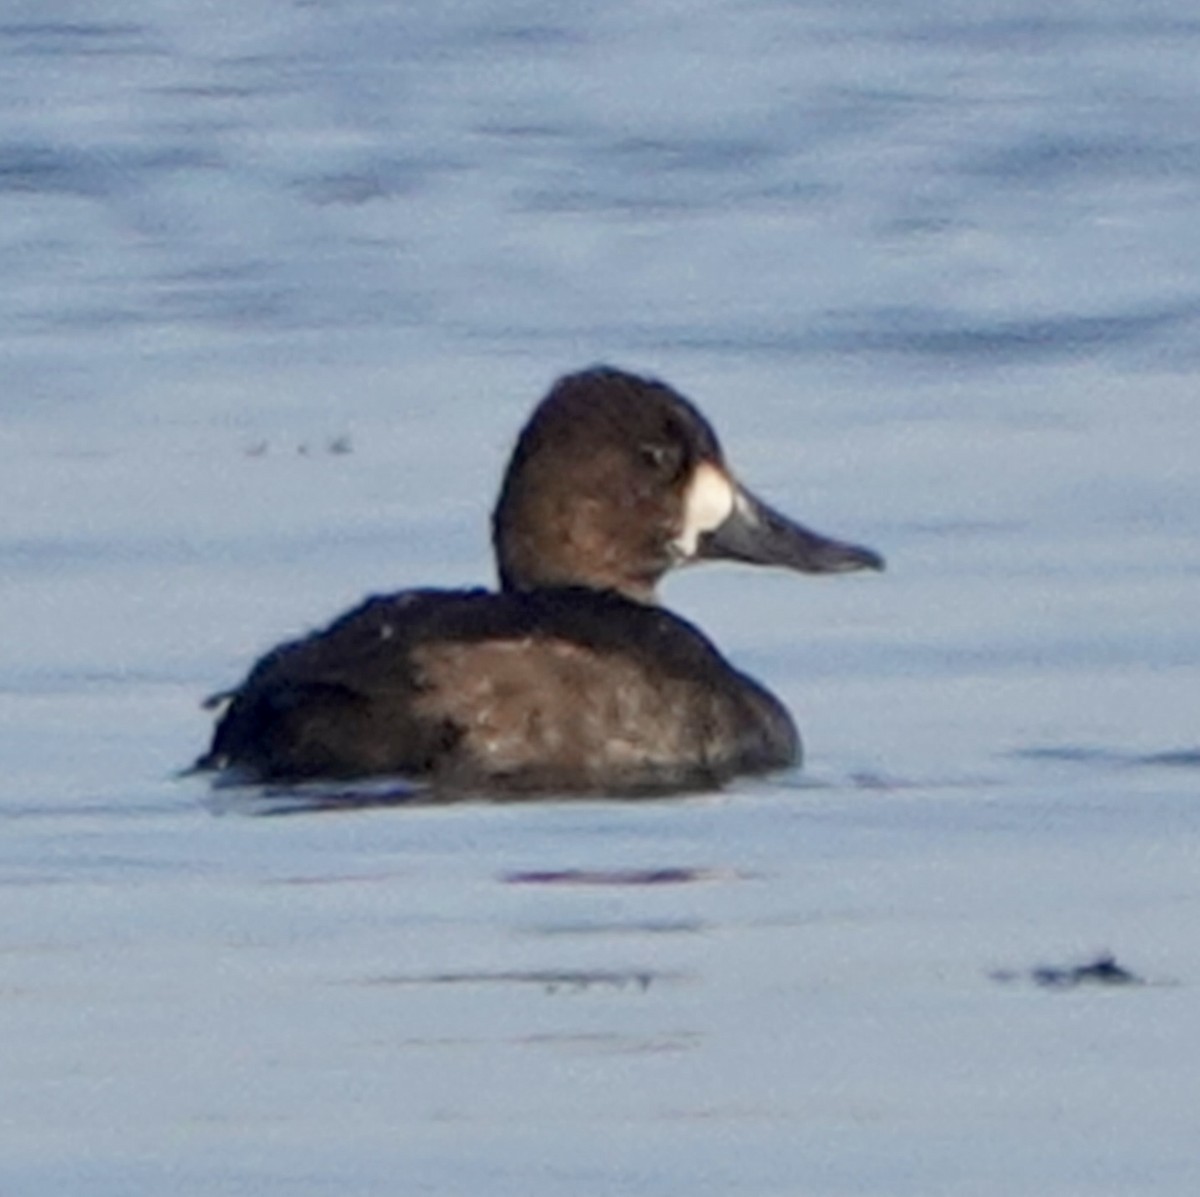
(570, 678)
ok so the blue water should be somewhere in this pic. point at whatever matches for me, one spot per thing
(281, 281)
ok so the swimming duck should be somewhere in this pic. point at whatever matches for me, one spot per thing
(571, 678)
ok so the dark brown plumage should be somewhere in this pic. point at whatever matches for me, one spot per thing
(569, 679)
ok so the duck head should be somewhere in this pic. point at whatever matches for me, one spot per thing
(617, 479)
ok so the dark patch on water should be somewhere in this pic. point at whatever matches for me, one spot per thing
(1179, 758)
(680, 875)
(1052, 159)
(550, 981)
(522, 36)
(687, 154)
(600, 1042)
(324, 798)
(915, 335)
(380, 178)
(1044, 33)
(48, 170)
(72, 37)
(636, 927)
(1188, 758)
(1104, 970)
(611, 1042)
(646, 175)
(927, 333)
(1068, 754)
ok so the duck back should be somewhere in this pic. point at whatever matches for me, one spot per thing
(569, 689)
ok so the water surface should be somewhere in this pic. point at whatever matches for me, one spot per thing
(282, 279)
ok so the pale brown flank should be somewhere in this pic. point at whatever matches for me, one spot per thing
(541, 709)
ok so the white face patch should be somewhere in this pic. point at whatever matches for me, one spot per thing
(707, 504)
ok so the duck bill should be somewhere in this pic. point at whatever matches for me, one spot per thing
(756, 533)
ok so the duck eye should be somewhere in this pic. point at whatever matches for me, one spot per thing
(663, 459)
